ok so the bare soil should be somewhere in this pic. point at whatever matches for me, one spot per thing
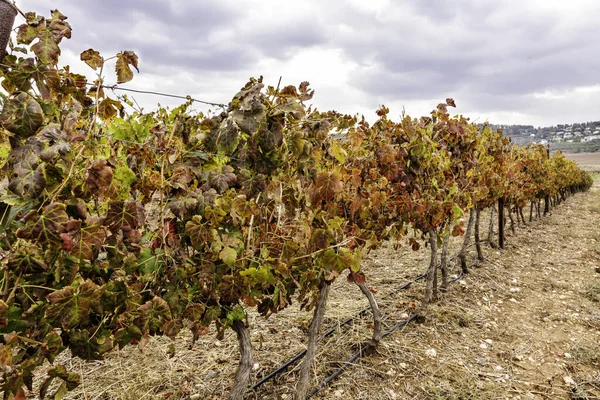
(524, 324)
(586, 161)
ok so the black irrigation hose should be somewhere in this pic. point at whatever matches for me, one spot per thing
(360, 352)
(328, 333)
(332, 330)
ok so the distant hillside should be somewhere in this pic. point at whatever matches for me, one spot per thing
(572, 138)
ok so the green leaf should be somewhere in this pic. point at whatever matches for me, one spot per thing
(453, 190)
(237, 314)
(27, 260)
(338, 152)
(340, 260)
(28, 180)
(457, 211)
(90, 347)
(228, 255)
(150, 262)
(22, 115)
(53, 346)
(125, 336)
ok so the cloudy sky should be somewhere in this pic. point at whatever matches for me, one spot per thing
(511, 61)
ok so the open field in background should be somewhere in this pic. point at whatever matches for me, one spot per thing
(587, 161)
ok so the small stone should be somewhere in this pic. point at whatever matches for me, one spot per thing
(256, 367)
(403, 365)
(462, 282)
(489, 341)
(210, 374)
(567, 355)
(431, 353)
(404, 315)
(569, 381)
(515, 289)
(498, 368)
(483, 346)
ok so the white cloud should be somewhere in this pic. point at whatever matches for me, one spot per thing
(513, 61)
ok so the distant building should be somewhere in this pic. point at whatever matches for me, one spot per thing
(590, 138)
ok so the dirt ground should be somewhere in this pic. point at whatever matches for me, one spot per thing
(524, 324)
(587, 161)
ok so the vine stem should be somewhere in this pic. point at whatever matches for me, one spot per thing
(345, 242)
(242, 375)
(313, 334)
(162, 184)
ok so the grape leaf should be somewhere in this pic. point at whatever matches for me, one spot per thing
(92, 58)
(153, 315)
(22, 115)
(126, 59)
(72, 306)
(45, 228)
(88, 240)
(124, 213)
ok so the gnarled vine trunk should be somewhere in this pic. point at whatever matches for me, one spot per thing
(376, 338)
(512, 220)
(477, 237)
(522, 217)
(531, 211)
(490, 238)
(444, 263)
(242, 375)
(432, 270)
(313, 334)
(466, 242)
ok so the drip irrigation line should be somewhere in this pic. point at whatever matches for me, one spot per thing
(332, 330)
(360, 352)
(355, 357)
(328, 333)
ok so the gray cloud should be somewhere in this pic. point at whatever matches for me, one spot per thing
(491, 56)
